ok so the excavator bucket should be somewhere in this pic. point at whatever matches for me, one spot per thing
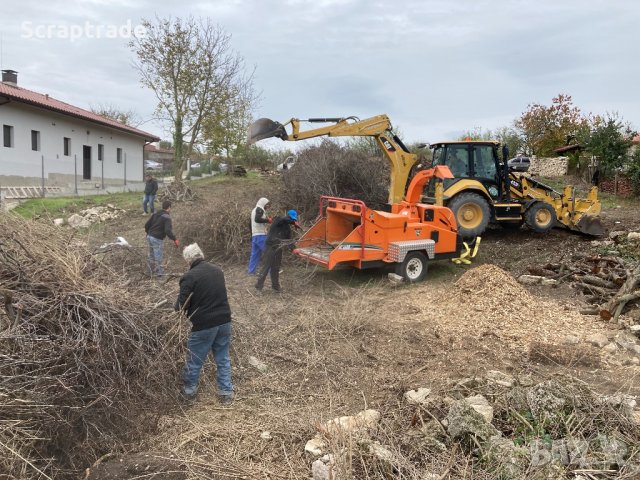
(265, 128)
(590, 225)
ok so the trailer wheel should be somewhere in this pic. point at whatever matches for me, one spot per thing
(472, 214)
(413, 268)
(540, 217)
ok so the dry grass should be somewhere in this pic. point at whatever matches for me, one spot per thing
(82, 358)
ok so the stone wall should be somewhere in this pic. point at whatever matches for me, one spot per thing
(549, 167)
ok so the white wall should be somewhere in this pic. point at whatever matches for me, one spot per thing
(21, 165)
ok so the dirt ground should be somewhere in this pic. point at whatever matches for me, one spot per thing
(335, 343)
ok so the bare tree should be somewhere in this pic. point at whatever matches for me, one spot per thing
(189, 65)
(125, 117)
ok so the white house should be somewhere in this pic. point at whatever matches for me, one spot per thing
(48, 141)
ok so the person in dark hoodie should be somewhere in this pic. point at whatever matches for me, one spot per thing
(203, 298)
(259, 229)
(279, 237)
(150, 191)
(158, 227)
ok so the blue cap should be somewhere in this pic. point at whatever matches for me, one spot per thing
(293, 215)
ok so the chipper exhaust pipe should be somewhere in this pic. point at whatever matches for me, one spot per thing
(265, 128)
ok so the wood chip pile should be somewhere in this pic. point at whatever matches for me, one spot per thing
(488, 300)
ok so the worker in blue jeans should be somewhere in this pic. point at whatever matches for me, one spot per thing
(150, 191)
(259, 229)
(203, 298)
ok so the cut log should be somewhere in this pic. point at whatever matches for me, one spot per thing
(628, 292)
(599, 282)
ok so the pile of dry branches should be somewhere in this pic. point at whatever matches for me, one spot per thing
(329, 169)
(177, 192)
(82, 358)
(609, 283)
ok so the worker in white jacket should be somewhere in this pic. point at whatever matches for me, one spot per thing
(259, 228)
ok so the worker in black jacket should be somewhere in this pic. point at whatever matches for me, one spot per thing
(279, 237)
(157, 228)
(150, 191)
(203, 298)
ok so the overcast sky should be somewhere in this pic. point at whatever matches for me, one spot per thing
(436, 67)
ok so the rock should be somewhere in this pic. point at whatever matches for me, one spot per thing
(77, 221)
(382, 453)
(550, 282)
(626, 340)
(325, 468)
(500, 378)
(315, 446)
(266, 435)
(259, 365)
(617, 235)
(465, 421)
(543, 402)
(481, 405)
(418, 396)
(635, 329)
(58, 222)
(598, 339)
(610, 348)
(530, 279)
(361, 423)
(510, 461)
(394, 278)
(633, 236)
(571, 340)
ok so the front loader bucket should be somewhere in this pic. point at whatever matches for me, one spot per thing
(265, 128)
(590, 225)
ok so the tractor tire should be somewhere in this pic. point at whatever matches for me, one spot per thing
(472, 214)
(540, 217)
(413, 268)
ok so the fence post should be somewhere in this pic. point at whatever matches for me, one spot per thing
(75, 173)
(42, 164)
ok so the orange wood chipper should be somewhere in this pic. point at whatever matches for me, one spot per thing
(412, 234)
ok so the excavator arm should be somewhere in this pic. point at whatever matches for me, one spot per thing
(378, 127)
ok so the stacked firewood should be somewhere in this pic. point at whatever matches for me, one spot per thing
(609, 283)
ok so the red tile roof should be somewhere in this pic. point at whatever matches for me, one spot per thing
(30, 97)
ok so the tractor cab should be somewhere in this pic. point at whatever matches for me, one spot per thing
(470, 160)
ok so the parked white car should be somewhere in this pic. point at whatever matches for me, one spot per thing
(152, 165)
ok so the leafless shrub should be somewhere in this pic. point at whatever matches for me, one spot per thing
(82, 358)
(330, 169)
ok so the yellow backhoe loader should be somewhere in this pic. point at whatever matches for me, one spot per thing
(483, 189)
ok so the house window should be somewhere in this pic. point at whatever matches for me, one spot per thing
(118, 155)
(35, 140)
(100, 152)
(67, 146)
(7, 133)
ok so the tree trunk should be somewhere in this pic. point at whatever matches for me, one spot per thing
(178, 147)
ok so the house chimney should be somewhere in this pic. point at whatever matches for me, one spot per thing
(10, 77)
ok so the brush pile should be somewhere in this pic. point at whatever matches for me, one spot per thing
(82, 358)
(329, 169)
(176, 192)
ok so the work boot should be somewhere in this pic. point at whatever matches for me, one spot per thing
(277, 288)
